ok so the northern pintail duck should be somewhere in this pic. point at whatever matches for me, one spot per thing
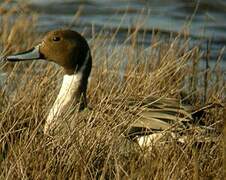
(70, 50)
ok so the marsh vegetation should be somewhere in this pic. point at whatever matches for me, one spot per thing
(120, 71)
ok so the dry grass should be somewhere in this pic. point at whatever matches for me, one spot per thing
(95, 147)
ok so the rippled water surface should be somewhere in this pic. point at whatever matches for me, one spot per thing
(208, 16)
(205, 19)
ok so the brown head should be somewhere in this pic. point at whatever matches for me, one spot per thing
(66, 48)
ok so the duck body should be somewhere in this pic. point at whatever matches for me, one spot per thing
(70, 50)
(159, 117)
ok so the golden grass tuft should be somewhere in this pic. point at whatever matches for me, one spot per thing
(95, 147)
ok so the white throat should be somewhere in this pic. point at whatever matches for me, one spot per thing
(66, 95)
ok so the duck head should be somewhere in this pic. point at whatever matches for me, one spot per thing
(70, 50)
(66, 48)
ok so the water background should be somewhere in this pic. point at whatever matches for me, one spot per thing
(205, 19)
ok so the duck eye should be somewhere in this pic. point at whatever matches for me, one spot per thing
(56, 38)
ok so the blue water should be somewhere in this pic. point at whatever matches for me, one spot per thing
(204, 19)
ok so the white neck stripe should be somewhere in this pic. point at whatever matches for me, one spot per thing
(66, 95)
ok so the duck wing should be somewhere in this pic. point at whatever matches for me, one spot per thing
(155, 115)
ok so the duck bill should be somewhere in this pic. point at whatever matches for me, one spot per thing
(31, 54)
